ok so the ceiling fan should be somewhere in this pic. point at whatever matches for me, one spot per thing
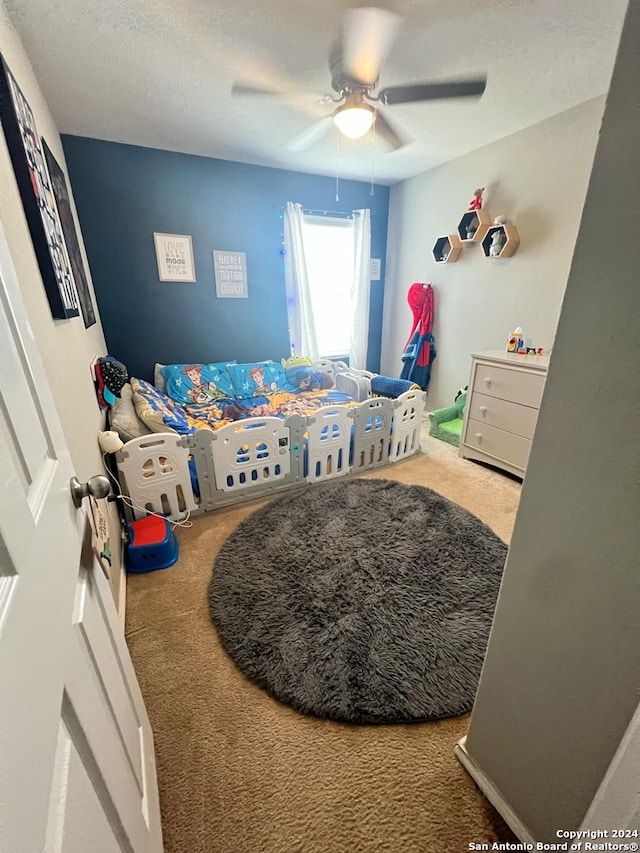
(367, 37)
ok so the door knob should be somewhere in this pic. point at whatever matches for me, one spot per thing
(98, 487)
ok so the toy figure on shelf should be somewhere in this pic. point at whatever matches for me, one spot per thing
(498, 241)
(472, 227)
(476, 201)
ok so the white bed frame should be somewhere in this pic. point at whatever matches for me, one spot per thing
(259, 456)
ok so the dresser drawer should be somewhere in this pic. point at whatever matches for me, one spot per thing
(517, 386)
(498, 443)
(502, 414)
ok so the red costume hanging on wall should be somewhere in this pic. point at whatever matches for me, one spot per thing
(420, 349)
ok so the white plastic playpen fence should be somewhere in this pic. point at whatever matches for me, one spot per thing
(258, 456)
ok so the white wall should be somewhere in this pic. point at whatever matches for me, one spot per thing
(538, 178)
(66, 346)
(561, 677)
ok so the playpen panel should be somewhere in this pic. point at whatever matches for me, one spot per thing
(328, 443)
(407, 421)
(325, 365)
(250, 452)
(373, 430)
(154, 473)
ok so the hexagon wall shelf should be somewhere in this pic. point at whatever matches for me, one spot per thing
(476, 220)
(511, 241)
(447, 249)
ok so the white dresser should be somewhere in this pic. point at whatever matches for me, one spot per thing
(502, 408)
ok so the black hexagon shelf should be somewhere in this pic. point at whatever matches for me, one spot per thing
(505, 246)
(474, 223)
(447, 249)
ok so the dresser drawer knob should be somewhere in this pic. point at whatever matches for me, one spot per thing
(487, 381)
(483, 410)
(479, 436)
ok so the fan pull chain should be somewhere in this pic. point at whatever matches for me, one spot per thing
(372, 191)
(337, 164)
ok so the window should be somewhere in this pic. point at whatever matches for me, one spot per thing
(329, 254)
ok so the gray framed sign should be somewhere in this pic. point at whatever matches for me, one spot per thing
(231, 274)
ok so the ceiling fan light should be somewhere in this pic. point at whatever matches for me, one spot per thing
(354, 120)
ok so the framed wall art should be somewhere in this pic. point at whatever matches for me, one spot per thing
(174, 254)
(63, 203)
(230, 270)
(37, 198)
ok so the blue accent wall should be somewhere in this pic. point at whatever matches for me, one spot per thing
(124, 193)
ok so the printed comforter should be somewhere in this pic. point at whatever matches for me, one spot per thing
(161, 414)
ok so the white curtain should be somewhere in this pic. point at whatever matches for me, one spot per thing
(361, 286)
(302, 332)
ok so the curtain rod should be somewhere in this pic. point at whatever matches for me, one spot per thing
(347, 215)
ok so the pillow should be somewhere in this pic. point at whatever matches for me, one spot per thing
(258, 379)
(158, 378)
(123, 418)
(156, 410)
(197, 383)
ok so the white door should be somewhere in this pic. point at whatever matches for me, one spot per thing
(77, 770)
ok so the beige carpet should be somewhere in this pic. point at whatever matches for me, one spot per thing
(240, 773)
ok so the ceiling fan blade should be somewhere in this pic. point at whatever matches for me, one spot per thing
(247, 89)
(432, 91)
(311, 134)
(368, 35)
(241, 89)
(386, 131)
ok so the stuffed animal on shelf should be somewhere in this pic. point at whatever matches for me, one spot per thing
(498, 240)
(476, 201)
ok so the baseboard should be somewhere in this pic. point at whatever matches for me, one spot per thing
(492, 793)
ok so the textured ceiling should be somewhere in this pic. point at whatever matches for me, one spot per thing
(158, 73)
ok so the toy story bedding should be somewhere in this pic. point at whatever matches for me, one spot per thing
(204, 406)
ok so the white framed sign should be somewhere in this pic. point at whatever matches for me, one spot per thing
(174, 253)
(375, 269)
(231, 274)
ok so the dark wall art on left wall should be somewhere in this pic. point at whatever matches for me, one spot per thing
(34, 185)
(63, 203)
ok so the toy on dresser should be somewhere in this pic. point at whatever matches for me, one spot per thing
(517, 344)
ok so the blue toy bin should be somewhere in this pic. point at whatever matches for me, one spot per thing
(152, 545)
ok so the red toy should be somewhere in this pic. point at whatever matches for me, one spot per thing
(476, 201)
(152, 545)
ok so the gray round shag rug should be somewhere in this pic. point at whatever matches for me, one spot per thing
(367, 601)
